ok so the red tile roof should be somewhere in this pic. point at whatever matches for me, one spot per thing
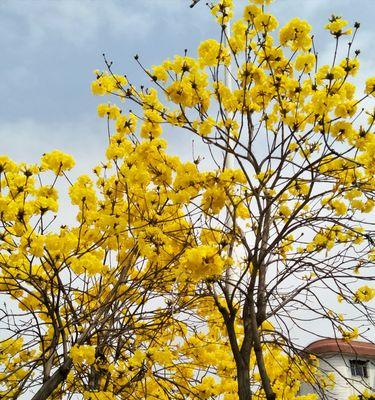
(325, 346)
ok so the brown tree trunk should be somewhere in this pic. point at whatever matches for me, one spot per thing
(266, 384)
(243, 380)
(54, 381)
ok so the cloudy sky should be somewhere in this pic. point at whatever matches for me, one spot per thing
(49, 49)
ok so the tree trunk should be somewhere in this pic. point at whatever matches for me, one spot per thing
(243, 380)
(54, 381)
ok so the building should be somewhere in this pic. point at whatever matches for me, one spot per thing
(352, 364)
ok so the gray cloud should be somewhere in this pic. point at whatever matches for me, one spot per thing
(50, 48)
(76, 22)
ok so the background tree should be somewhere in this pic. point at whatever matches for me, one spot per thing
(135, 300)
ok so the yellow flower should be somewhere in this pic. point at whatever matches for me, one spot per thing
(351, 67)
(107, 83)
(339, 206)
(343, 130)
(267, 326)
(370, 86)
(305, 62)
(265, 22)
(346, 109)
(213, 199)
(262, 2)
(7, 165)
(90, 263)
(57, 162)
(223, 11)
(44, 204)
(364, 294)
(37, 245)
(205, 127)
(250, 12)
(202, 262)
(349, 335)
(109, 110)
(285, 211)
(211, 53)
(296, 35)
(336, 25)
(126, 124)
(82, 355)
(159, 73)
(82, 192)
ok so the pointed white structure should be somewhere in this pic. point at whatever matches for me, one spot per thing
(229, 164)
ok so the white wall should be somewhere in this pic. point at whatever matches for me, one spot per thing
(340, 366)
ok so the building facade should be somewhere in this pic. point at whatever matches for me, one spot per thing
(351, 363)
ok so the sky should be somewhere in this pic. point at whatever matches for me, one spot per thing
(50, 48)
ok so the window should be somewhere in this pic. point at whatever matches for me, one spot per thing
(358, 368)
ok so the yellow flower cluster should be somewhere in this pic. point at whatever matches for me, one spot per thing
(370, 86)
(296, 35)
(201, 263)
(336, 26)
(349, 335)
(109, 110)
(212, 53)
(107, 83)
(364, 294)
(57, 161)
(83, 354)
(305, 62)
(366, 395)
(223, 11)
(90, 263)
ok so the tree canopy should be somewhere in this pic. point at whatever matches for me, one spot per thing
(180, 281)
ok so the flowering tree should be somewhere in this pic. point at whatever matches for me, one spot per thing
(183, 283)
